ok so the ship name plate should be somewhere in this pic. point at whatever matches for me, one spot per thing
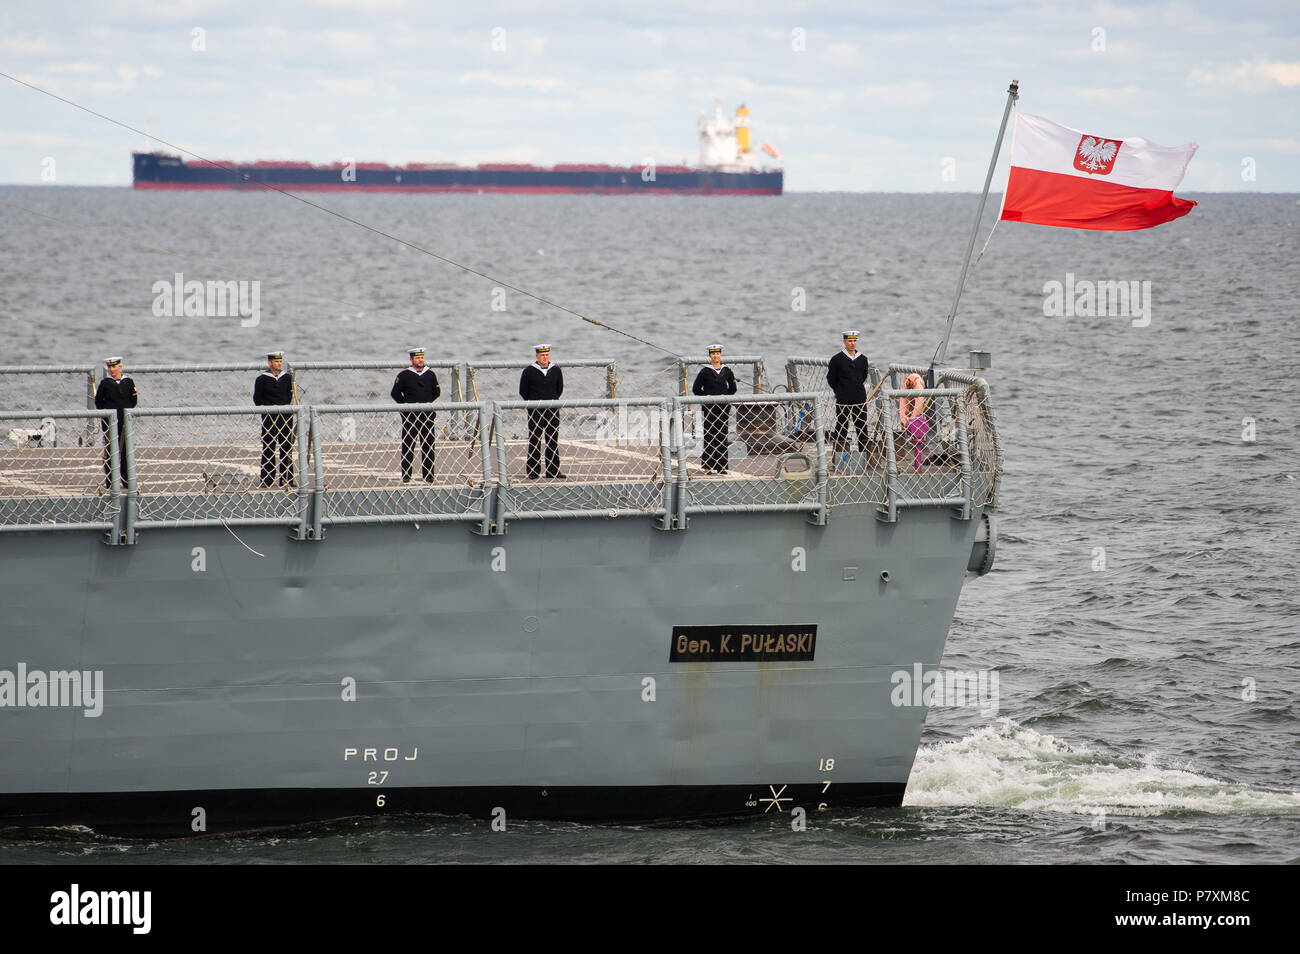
(745, 643)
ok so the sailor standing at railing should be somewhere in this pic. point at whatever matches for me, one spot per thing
(543, 381)
(715, 379)
(847, 373)
(115, 393)
(274, 386)
(417, 385)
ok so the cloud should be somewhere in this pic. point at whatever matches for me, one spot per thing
(1111, 15)
(1106, 94)
(910, 93)
(656, 80)
(25, 46)
(541, 84)
(41, 140)
(340, 86)
(166, 9)
(1251, 77)
(360, 6)
(126, 80)
(350, 42)
(1247, 146)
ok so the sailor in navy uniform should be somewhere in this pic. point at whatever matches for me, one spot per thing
(846, 373)
(274, 386)
(543, 381)
(115, 393)
(715, 379)
(417, 385)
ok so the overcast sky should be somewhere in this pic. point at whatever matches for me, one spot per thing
(858, 96)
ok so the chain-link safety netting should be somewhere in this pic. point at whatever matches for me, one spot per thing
(749, 370)
(233, 465)
(981, 436)
(983, 446)
(928, 433)
(52, 388)
(57, 469)
(602, 457)
(376, 464)
(750, 452)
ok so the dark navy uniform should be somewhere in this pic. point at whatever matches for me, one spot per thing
(278, 430)
(711, 382)
(847, 375)
(543, 384)
(115, 394)
(417, 387)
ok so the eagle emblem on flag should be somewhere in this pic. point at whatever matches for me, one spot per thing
(1096, 156)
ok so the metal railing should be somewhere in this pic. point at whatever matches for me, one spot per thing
(488, 463)
(219, 466)
(53, 478)
(359, 382)
(754, 382)
(33, 387)
(982, 435)
(499, 380)
(985, 448)
(316, 382)
(768, 467)
(933, 468)
(194, 385)
(593, 458)
(806, 374)
(427, 463)
(63, 387)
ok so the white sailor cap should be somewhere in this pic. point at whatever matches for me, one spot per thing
(272, 355)
(850, 334)
(414, 351)
(715, 349)
(542, 349)
(110, 362)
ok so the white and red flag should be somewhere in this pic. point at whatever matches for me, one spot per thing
(1061, 176)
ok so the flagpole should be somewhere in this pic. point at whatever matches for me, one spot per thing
(942, 354)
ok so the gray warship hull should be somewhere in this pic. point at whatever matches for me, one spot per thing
(561, 668)
(521, 688)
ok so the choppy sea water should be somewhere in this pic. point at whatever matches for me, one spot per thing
(1142, 612)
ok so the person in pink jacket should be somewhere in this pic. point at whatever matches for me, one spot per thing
(911, 411)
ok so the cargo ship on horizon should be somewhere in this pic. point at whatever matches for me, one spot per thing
(727, 166)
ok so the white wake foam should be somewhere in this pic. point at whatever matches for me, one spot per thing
(1008, 765)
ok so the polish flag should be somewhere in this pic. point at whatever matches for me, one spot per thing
(1061, 176)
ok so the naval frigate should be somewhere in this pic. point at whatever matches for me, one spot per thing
(184, 650)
